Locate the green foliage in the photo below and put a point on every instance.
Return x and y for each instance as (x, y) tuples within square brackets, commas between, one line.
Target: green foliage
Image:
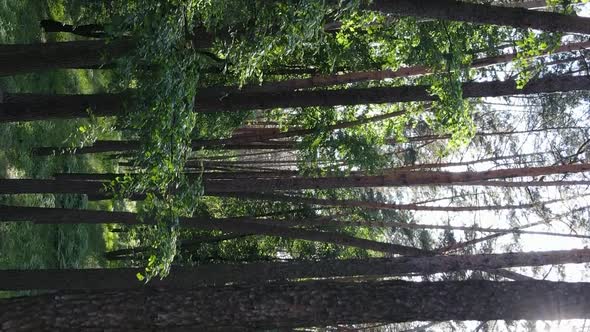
[(161, 114), (533, 45), (451, 113), (253, 40)]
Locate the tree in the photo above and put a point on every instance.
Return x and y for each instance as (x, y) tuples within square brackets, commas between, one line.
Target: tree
[(213, 186), (378, 95), (256, 273), (230, 225), (401, 178), (484, 14), (299, 304), (67, 106), (24, 58), (317, 81)]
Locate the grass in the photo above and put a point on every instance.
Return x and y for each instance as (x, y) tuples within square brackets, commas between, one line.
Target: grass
[(24, 245)]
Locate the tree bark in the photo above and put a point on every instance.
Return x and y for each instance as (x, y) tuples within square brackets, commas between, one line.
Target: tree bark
[(253, 273), (318, 81), (395, 179), (31, 107), (379, 95), (484, 14), (301, 304), (128, 253), (492, 133), (104, 146), (215, 186), (86, 30), (341, 97), (229, 225), (349, 203), (26, 58), (392, 224)]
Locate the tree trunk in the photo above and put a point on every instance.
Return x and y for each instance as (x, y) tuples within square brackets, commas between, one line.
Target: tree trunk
[(349, 203), (30, 107), (26, 58), (229, 225), (103, 146), (379, 95), (300, 304), (183, 245), (318, 81), (205, 175), (86, 30), (215, 186), (392, 224), (253, 273), (526, 4), (395, 179), (484, 14), (492, 133), (245, 101)]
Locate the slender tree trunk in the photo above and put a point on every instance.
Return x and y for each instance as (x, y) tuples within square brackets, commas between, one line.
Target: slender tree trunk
[(379, 95), (318, 81), (486, 134), (527, 4), (380, 205), (205, 175), (524, 184), (392, 224), (301, 304), (464, 163), (484, 14), (401, 178), (229, 225), (253, 273), (184, 245), (214, 186), (104, 146), (86, 30)]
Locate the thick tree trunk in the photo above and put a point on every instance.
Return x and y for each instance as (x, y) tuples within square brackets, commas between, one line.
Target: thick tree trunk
[(301, 304), (26, 58), (253, 273), (484, 14), (229, 225), (30, 107), (379, 95), (245, 101)]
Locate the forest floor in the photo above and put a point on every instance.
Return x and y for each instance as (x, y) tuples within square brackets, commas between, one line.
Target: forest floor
[(24, 245)]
